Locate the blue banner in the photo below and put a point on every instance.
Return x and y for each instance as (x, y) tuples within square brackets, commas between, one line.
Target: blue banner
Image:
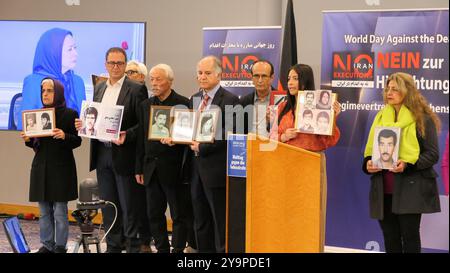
[(237, 155), (359, 51), (238, 49)]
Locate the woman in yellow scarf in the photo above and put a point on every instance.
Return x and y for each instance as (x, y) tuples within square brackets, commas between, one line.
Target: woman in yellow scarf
[(399, 196)]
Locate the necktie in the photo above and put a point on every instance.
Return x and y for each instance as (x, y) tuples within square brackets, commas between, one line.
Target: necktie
[(204, 102)]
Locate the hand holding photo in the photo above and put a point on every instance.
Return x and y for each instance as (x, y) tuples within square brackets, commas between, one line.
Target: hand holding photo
[(100, 121)]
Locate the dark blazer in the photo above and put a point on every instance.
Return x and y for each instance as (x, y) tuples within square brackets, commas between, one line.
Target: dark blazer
[(212, 159), (53, 171), (152, 157), (130, 96), (415, 190)]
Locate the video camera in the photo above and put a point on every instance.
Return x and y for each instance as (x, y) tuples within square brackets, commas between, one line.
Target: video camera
[(87, 206)]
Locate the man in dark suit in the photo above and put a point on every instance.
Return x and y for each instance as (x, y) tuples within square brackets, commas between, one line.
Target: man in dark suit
[(158, 166), (209, 163), (115, 161), (257, 102)]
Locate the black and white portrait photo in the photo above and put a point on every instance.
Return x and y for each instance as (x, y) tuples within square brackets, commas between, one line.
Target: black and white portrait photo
[(206, 126), (183, 126), (38, 123), (160, 121), (385, 147)]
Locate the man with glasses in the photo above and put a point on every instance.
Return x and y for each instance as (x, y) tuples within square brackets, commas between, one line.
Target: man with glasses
[(114, 161), (255, 120), (136, 71)]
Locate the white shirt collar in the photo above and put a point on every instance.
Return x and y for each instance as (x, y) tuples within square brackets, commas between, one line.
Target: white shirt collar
[(119, 82)]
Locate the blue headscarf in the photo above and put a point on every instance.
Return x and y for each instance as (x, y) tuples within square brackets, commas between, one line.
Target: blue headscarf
[(47, 61), (48, 55)]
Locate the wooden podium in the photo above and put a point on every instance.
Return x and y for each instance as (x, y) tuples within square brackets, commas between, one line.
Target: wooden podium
[(284, 201)]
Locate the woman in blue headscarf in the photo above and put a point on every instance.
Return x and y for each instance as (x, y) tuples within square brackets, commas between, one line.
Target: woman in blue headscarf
[(55, 57)]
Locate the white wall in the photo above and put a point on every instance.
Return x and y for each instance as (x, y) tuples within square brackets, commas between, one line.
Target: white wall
[(174, 36)]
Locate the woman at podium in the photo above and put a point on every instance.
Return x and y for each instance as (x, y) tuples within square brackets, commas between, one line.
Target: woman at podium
[(301, 77)]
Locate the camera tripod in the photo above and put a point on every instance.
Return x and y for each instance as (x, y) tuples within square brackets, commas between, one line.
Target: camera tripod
[(86, 240), (84, 218)]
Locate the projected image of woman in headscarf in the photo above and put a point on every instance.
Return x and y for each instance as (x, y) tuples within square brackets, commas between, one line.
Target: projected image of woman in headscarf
[(55, 57)]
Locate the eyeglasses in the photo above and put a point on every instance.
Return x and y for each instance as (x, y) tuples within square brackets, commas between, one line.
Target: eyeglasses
[(131, 72), (112, 64), (264, 77)]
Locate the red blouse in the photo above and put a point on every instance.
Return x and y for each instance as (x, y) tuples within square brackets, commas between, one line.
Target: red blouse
[(310, 142)]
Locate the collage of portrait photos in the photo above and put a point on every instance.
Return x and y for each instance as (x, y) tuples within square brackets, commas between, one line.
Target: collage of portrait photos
[(315, 114), (39, 122)]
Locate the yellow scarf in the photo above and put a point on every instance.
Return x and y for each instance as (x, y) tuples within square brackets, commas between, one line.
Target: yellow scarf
[(409, 145)]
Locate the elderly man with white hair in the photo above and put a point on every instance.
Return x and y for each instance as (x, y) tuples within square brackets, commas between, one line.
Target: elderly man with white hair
[(136, 71), (159, 165)]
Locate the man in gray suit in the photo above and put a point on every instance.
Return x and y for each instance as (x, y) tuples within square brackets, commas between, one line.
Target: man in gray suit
[(208, 186)]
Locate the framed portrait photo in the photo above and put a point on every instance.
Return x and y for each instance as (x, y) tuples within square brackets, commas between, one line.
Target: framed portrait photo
[(312, 116), (206, 126), (385, 147), (39, 122), (100, 121), (183, 127), (160, 122)]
